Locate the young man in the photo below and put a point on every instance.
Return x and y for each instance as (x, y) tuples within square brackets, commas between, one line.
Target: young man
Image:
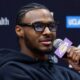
[(36, 31)]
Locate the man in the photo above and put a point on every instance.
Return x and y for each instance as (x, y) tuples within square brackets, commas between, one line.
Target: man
[(36, 31)]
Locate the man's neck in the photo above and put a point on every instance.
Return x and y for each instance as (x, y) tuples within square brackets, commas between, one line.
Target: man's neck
[(35, 54)]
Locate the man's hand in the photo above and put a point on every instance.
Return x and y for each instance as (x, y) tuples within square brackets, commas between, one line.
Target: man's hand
[(73, 55)]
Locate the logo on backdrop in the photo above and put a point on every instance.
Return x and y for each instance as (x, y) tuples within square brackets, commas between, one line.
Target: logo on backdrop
[(4, 21), (73, 21)]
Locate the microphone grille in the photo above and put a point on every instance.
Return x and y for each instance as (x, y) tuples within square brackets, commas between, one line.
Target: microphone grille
[(57, 43)]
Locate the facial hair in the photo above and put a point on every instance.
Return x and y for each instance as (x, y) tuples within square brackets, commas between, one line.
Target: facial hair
[(34, 49)]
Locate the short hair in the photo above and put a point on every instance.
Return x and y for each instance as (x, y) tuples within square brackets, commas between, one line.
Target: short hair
[(27, 8)]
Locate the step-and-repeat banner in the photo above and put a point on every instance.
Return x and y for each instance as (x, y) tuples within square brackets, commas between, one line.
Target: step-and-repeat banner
[(67, 13)]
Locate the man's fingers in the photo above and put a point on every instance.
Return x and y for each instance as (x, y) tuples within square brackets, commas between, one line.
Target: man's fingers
[(74, 65)]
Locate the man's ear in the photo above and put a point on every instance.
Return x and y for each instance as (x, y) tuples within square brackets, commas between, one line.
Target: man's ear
[(19, 31)]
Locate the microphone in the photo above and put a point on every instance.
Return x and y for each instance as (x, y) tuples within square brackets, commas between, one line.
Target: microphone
[(57, 43), (62, 46)]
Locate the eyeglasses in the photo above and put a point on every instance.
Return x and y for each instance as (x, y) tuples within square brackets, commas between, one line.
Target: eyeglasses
[(39, 26)]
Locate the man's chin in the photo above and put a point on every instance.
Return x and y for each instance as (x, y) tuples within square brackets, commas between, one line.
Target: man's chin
[(43, 50), (47, 51)]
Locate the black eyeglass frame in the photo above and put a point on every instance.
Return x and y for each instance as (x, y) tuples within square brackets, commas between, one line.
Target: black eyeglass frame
[(43, 27)]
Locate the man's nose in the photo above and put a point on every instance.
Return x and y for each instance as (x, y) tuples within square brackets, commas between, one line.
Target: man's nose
[(46, 31)]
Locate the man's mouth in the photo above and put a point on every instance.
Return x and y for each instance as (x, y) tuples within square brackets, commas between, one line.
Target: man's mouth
[(46, 42)]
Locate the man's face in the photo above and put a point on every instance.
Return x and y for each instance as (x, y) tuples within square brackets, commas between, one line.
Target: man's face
[(38, 40)]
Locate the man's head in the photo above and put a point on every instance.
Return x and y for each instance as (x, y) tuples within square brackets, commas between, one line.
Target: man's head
[(35, 27)]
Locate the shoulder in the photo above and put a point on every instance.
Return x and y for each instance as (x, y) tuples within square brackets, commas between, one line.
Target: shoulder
[(67, 71), (13, 70)]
